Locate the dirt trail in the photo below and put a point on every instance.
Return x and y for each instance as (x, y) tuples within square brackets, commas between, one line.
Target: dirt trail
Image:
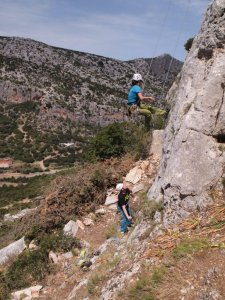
[(18, 175)]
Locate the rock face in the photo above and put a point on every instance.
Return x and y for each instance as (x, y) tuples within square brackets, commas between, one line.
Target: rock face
[(193, 157)]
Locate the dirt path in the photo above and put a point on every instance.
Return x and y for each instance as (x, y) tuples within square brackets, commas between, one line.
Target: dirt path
[(18, 175)]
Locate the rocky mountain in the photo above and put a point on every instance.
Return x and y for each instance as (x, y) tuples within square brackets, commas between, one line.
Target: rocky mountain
[(51, 95), (192, 166)]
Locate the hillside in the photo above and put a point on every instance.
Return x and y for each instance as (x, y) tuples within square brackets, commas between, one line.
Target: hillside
[(50, 96)]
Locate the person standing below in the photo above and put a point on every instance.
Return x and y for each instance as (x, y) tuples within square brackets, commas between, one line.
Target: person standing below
[(123, 206), (136, 100)]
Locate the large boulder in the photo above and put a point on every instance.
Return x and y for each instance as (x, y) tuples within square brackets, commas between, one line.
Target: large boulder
[(27, 294), (193, 160), (12, 251), (71, 228)]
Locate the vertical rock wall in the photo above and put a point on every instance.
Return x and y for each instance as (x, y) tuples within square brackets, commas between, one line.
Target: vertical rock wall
[(193, 157)]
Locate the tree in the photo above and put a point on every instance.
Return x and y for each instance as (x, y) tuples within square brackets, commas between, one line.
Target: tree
[(109, 141)]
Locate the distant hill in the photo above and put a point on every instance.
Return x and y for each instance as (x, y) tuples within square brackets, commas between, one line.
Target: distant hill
[(50, 95)]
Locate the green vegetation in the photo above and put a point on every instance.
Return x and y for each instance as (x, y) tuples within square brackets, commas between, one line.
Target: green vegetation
[(112, 231), (33, 266), (118, 139), (145, 286), (93, 283), (149, 208), (33, 188), (102, 273), (29, 144), (188, 44), (189, 246)]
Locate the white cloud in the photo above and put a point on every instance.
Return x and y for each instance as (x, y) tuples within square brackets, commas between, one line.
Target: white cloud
[(197, 6), (118, 34)]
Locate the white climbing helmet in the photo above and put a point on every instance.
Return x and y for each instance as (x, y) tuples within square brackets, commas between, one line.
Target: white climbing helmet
[(119, 186), (137, 77)]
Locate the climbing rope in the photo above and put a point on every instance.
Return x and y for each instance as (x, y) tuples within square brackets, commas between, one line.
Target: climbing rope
[(162, 28), (173, 54)]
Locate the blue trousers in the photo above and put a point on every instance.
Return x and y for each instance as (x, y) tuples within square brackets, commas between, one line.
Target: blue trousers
[(125, 222)]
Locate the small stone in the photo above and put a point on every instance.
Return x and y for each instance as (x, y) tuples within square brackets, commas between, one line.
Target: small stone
[(88, 222), (67, 255), (80, 224), (183, 291), (32, 245), (53, 257), (100, 211), (112, 207)]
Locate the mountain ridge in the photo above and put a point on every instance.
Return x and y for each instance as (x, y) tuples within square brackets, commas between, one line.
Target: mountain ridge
[(71, 93)]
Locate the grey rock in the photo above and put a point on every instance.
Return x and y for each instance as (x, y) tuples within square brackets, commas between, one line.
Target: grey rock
[(27, 294), (157, 217), (88, 221), (111, 199), (18, 216), (53, 257), (137, 188), (116, 283), (157, 142), (71, 228), (100, 211), (67, 255), (73, 293), (12, 250), (192, 163), (84, 244), (134, 176)]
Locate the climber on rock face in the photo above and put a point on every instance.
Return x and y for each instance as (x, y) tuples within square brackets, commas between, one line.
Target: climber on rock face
[(136, 101)]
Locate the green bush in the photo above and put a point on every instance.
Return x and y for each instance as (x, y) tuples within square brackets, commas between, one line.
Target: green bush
[(190, 246), (29, 267), (109, 141), (33, 266), (33, 188), (117, 139), (188, 44), (4, 290)]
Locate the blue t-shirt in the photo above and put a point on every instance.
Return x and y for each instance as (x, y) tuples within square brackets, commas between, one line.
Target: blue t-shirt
[(133, 94)]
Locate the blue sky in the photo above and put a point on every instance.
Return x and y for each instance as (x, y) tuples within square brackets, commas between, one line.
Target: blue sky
[(120, 29)]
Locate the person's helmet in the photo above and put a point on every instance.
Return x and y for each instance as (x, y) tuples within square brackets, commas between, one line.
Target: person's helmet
[(137, 77), (119, 186)]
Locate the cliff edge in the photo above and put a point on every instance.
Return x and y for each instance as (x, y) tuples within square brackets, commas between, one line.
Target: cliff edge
[(193, 158)]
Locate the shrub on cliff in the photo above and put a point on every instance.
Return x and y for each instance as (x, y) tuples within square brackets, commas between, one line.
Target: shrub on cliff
[(188, 44)]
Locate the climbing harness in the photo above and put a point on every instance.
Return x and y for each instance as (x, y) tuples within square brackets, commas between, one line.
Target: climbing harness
[(132, 109)]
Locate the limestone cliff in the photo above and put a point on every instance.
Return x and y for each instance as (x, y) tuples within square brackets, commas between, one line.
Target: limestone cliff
[(193, 157)]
